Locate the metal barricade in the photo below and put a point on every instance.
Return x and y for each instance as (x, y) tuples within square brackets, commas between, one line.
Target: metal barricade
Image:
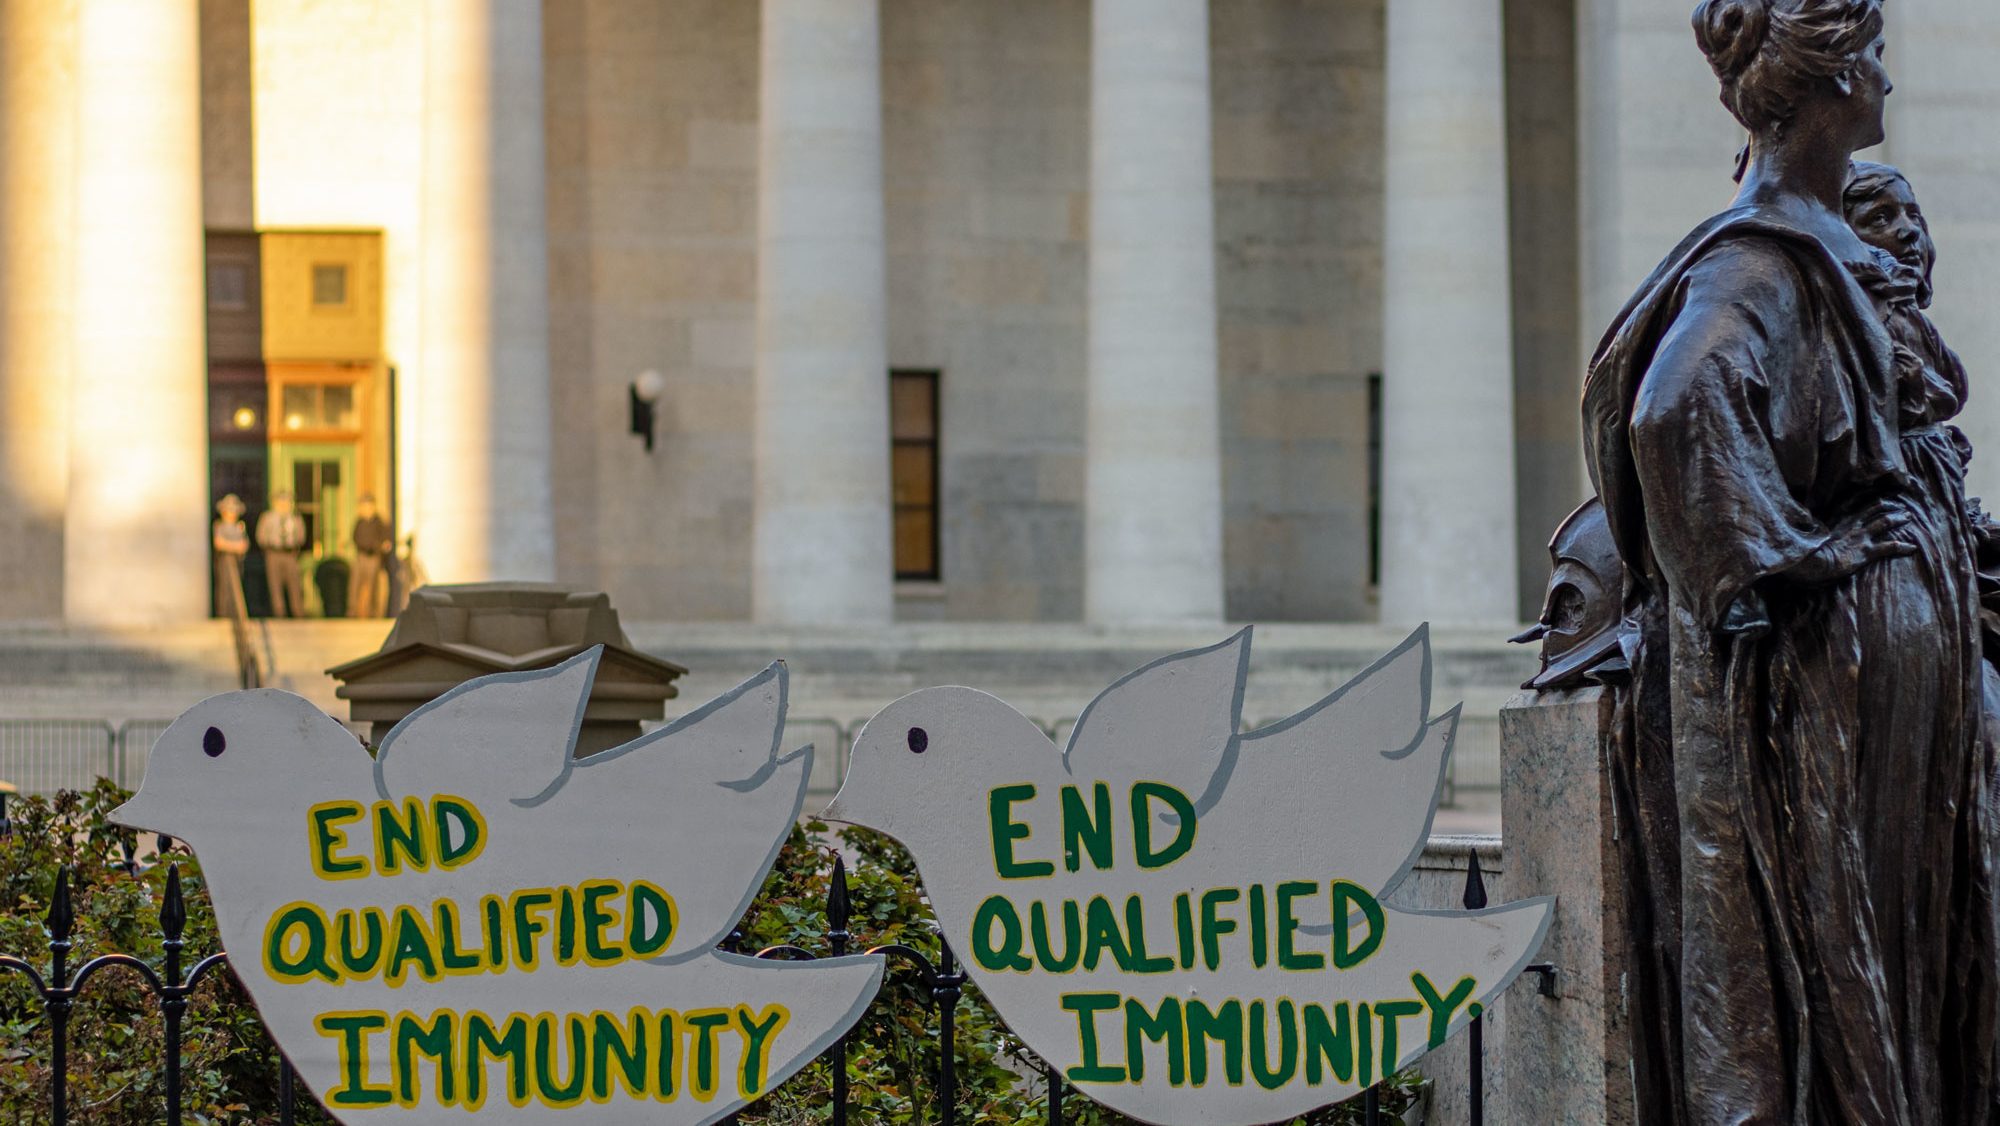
[(135, 742), (42, 756)]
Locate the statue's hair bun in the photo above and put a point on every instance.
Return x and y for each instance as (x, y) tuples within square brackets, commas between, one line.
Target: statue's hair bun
[(1730, 33)]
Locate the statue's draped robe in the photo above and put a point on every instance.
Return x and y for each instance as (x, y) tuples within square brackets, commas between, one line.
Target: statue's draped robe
[(1805, 818)]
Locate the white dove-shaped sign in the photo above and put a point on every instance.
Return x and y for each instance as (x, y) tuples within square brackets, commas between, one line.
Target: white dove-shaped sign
[(474, 920), (1186, 920)]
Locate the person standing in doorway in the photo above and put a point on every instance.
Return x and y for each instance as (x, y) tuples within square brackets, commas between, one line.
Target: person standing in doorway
[(231, 541), (282, 534), (372, 544)]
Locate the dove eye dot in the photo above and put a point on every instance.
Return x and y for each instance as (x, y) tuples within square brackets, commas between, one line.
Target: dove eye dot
[(212, 742), (920, 740)]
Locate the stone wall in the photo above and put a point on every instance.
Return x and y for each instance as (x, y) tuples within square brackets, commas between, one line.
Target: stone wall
[(228, 167), (985, 136), (1298, 207), (652, 188), (1549, 479)]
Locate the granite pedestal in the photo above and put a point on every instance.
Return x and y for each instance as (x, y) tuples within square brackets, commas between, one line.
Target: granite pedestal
[(1568, 1058)]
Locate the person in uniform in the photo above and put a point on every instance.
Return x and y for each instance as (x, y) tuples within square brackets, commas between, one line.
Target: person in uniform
[(231, 541), (282, 534), (373, 542)]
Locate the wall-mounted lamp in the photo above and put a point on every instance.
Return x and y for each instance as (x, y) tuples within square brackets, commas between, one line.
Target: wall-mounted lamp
[(645, 391)]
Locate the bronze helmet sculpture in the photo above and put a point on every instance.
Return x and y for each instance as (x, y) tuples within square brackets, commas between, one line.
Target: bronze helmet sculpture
[(1580, 622)]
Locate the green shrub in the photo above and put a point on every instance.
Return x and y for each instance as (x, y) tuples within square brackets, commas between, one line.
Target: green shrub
[(117, 1055)]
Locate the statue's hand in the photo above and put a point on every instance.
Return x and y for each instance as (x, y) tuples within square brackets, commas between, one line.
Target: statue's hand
[(1875, 533)]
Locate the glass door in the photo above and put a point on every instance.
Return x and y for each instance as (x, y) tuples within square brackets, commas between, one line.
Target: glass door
[(321, 476)]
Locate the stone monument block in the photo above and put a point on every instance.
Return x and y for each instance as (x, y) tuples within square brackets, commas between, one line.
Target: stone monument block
[(455, 633), (1568, 1057)]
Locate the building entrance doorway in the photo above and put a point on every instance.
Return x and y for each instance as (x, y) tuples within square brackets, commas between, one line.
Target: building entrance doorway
[(321, 477), (300, 395)]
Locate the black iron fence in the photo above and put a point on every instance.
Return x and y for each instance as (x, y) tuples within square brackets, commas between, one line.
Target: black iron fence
[(60, 987)]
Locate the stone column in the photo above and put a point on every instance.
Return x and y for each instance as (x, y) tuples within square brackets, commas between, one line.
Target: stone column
[(37, 185), (135, 547), (482, 385), (1153, 468), (1448, 552), (822, 538)]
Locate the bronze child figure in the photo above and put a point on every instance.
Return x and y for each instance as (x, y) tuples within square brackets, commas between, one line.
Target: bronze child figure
[(1882, 209), (1931, 381), (1806, 813), (1932, 386)]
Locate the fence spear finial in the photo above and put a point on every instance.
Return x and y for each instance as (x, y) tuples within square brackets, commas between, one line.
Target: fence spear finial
[(173, 910), (1475, 884), (62, 916), (837, 910)]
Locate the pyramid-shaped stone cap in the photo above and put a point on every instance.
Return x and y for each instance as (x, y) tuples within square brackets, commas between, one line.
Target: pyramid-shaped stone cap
[(451, 634)]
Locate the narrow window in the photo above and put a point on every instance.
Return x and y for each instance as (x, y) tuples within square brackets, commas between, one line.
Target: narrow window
[(228, 286), (329, 284), (913, 454), (1375, 479)]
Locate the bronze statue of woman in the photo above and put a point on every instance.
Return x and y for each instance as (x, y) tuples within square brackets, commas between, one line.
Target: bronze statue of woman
[(1804, 791)]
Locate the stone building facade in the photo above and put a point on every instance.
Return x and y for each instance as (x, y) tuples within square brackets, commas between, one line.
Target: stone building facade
[(1257, 309)]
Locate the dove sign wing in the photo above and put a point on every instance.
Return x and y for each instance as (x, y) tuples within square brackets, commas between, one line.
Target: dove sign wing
[(476, 920), (1185, 920), (1370, 750), (1175, 720)]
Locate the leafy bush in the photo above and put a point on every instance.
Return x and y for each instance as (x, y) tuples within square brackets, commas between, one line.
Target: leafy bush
[(230, 1068), (117, 1057)]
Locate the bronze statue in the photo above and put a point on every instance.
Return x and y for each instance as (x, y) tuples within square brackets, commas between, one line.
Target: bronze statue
[(1805, 792)]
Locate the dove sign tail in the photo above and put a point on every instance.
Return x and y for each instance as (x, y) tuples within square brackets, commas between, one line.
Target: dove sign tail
[(1188, 919)]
